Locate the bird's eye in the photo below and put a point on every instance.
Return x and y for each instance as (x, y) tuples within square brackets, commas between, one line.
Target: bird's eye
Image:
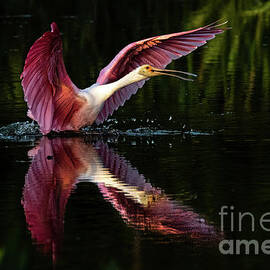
[(147, 67)]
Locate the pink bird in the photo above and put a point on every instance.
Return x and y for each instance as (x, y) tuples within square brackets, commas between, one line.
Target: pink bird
[(57, 104)]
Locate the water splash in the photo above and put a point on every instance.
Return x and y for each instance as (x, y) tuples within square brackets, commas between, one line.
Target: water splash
[(20, 131), (161, 132), (29, 131)]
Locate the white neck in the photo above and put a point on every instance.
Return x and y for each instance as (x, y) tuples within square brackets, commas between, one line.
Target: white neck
[(105, 91)]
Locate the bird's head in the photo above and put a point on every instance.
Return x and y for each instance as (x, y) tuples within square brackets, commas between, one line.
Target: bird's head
[(149, 71)]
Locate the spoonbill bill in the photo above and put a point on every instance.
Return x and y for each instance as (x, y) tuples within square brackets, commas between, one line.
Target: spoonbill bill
[(57, 104)]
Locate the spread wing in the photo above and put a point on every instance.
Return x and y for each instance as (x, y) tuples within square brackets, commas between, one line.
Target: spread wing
[(50, 94), (157, 51)]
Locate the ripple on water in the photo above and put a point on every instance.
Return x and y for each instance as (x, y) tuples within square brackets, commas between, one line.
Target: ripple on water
[(29, 131)]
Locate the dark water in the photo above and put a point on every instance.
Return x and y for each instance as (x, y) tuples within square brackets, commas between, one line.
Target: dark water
[(146, 195)]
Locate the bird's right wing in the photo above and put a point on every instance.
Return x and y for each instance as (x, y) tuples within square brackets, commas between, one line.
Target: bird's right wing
[(51, 96), (157, 51)]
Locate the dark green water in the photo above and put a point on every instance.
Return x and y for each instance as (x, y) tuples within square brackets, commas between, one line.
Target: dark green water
[(147, 202)]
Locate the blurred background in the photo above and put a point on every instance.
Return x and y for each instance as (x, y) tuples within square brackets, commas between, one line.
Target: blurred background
[(233, 69), (230, 100)]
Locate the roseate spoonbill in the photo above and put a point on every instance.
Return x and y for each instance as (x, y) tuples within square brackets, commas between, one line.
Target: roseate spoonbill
[(57, 104)]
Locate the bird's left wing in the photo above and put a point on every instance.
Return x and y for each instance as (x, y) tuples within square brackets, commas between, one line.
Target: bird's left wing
[(157, 51)]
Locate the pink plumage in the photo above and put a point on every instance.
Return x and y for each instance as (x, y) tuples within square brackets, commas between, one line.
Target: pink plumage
[(51, 96), (57, 104), (158, 51)]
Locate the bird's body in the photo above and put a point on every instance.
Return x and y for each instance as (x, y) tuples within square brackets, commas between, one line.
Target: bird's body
[(58, 105)]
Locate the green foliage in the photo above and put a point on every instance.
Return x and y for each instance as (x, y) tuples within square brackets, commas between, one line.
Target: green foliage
[(233, 69)]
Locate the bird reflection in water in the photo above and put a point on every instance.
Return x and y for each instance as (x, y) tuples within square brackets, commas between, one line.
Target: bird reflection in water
[(59, 164)]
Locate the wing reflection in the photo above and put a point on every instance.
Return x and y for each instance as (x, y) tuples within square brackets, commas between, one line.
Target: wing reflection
[(59, 164)]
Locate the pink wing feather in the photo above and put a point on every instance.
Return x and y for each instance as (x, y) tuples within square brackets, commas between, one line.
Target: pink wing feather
[(157, 51), (50, 94)]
